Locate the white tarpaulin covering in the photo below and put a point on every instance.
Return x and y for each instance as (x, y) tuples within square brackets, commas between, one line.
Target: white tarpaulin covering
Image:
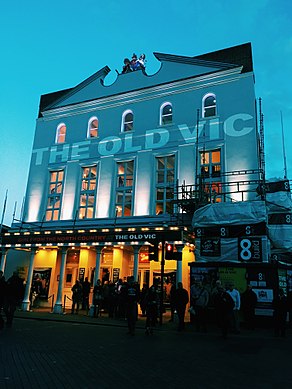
[(241, 213)]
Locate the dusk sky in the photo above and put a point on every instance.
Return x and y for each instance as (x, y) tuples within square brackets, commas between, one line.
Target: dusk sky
[(55, 45)]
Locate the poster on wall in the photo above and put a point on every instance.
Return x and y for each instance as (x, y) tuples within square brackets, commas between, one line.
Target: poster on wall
[(116, 274), (210, 247), (41, 282), (233, 275)]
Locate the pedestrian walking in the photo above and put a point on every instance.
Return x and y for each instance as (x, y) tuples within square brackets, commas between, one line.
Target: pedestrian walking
[(181, 301), (76, 297), (280, 306)]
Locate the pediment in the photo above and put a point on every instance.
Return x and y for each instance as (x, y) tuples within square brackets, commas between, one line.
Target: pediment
[(172, 68)]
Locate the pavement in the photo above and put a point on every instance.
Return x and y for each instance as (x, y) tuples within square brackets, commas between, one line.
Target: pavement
[(48, 350), (264, 327)]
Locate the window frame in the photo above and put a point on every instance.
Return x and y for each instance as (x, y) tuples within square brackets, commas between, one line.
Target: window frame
[(164, 189), (55, 195), (124, 188), (210, 106), (90, 121), (124, 123), (58, 135), (161, 116), (87, 192)]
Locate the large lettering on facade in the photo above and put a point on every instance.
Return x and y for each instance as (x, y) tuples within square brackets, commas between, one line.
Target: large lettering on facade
[(235, 126)]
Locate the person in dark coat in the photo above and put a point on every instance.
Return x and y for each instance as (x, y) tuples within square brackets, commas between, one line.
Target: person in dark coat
[(224, 305), (85, 294), (248, 303), (76, 296), (13, 296), (181, 301), (152, 302), (132, 298), (97, 298), (280, 306), (2, 296)]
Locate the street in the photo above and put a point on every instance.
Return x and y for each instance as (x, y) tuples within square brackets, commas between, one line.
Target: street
[(54, 354)]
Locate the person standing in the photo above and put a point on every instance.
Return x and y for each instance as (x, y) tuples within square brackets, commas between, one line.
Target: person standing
[(97, 298), (224, 305), (13, 296), (181, 301), (85, 294), (2, 296), (280, 306), (151, 304), (76, 296), (248, 303), (199, 301), (132, 298), (234, 293)]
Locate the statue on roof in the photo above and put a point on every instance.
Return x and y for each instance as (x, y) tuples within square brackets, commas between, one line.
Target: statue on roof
[(134, 64)]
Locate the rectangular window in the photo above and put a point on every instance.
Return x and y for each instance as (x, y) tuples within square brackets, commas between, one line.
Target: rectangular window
[(211, 173), (55, 195), (87, 193), (210, 164), (165, 180), (124, 188)]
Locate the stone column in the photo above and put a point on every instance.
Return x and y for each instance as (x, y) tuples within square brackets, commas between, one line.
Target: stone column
[(3, 259), (96, 274), (136, 262), (26, 300), (58, 304)]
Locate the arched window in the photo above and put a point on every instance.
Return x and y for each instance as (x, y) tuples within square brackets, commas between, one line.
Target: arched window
[(92, 131), (209, 105), (61, 133), (127, 121), (165, 114)]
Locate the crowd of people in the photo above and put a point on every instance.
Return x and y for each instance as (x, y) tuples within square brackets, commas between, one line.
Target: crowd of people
[(121, 299), (233, 309)]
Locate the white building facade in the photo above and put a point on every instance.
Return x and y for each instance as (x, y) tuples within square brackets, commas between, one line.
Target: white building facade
[(107, 161)]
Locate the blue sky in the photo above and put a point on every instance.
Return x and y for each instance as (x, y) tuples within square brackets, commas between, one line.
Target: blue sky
[(49, 46)]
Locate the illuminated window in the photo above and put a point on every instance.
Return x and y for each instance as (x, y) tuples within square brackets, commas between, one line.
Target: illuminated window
[(165, 114), (209, 105), (127, 121), (210, 164), (124, 188), (87, 193), (165, 180), (92, 131), (210, 172), (61, 133), (55, 195)]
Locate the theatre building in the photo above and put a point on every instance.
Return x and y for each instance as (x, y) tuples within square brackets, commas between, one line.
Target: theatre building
[(112, 168)]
